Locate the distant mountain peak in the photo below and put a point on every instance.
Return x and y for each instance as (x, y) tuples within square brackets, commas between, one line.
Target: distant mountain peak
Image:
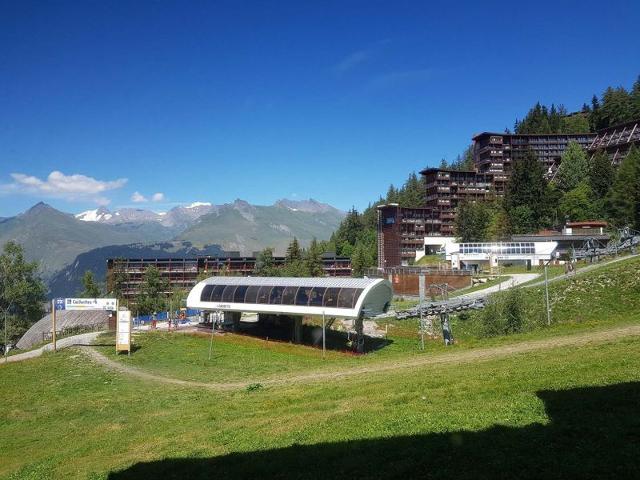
[(101, 214), (198, 204), (310, 205)]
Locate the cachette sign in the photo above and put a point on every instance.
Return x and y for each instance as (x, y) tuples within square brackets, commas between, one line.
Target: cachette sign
[(86, 303)]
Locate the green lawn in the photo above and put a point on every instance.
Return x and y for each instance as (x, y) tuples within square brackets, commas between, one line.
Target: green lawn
[(570, 412), (555, 413)]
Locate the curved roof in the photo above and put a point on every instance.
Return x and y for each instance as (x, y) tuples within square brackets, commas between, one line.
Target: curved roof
[(332, 296), (64, 319)]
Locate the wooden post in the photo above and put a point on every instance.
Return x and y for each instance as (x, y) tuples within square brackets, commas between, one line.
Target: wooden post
[(53, 322), (324, 343)]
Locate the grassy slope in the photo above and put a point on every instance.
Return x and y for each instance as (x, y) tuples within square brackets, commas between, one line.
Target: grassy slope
[(238, 357), (496, 418), (74, 420)]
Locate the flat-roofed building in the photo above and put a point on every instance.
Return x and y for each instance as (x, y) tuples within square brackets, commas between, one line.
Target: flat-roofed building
[(494, 153), (488, 255), (446, 189), (183, 273), (401, 232)]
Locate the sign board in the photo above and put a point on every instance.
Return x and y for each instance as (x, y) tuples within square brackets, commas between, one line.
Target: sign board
[(85, 303), (123, 331)]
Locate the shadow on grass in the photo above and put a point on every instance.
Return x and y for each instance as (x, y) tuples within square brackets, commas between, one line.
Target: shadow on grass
[(311, 336), (592, 433)]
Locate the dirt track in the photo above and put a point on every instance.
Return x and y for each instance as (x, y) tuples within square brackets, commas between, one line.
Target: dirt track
[(453, 357)]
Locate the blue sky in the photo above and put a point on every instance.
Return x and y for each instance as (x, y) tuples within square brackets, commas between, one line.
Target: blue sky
[(213, 101)]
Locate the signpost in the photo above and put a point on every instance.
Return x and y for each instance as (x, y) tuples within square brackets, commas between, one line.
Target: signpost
[(123, 331), (109, 304)]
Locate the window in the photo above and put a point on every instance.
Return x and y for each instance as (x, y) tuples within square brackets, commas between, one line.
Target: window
[(252, 293), (289, 295), (302, 298), (206, 293), (331, 297), (315, 299), (227, 294), (216, 295), (238, 297), (276, 295), (263, 294), (345, 300)]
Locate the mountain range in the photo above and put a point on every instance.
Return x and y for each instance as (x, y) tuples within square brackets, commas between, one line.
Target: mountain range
[(55, 239)]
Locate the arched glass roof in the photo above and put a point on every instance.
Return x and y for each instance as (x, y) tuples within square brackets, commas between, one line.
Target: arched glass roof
[(338, 296)]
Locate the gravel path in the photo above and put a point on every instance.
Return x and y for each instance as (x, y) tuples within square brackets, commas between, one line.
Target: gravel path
[(452, 357), (75, 340), (515, 280)]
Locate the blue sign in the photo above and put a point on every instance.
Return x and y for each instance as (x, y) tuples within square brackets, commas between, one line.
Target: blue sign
[(59, 303)]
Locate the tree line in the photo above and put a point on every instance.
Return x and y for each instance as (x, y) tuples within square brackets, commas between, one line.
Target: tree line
[(613, 107), (583, 189)]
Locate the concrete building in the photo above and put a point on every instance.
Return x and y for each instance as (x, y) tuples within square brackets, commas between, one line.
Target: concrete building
[(446, 189), (494, 153), (401, 231), (183, 273), (478, 256)]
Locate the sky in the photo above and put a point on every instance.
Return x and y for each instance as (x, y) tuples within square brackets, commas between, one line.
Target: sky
[(157, 104)]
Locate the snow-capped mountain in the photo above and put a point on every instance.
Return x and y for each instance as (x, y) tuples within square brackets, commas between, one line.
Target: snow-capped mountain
[(177, 216), (101, 215), (187, 215)]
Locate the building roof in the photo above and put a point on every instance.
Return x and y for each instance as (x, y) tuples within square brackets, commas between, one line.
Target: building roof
[(333, 296), (502, 134), (557, 238), (448, 170), (591, 223)]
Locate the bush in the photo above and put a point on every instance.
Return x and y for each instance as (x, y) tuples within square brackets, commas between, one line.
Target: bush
[(505, 313)]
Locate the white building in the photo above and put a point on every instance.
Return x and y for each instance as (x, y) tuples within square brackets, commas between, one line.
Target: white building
[(482, 255)]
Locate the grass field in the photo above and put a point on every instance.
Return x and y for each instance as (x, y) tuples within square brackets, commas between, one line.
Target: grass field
[(551, 413)]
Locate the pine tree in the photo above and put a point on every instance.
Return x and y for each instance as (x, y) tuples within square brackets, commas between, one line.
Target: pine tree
[(472, 221), (594, 118), (22, 293), (392, 194), (313, 260), (525, 195), (635, 100), (91, 288), (412, 193), (265, 264), (577, 205), (616, 106), (623, 201), (574, 167), (293, 251), (601, 174)]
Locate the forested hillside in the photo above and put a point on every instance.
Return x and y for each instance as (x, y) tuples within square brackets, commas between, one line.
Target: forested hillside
[(613, 107), (583, 188)]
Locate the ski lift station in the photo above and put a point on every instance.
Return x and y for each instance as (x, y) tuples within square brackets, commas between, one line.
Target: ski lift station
[(478, 255), (292, 299)]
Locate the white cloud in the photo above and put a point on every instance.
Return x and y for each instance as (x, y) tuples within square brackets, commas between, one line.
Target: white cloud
[(137, 197), (157, 197), (74, 187), (352, 61)]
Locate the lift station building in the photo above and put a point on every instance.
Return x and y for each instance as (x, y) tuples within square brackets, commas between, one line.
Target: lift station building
[(292, 299)]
